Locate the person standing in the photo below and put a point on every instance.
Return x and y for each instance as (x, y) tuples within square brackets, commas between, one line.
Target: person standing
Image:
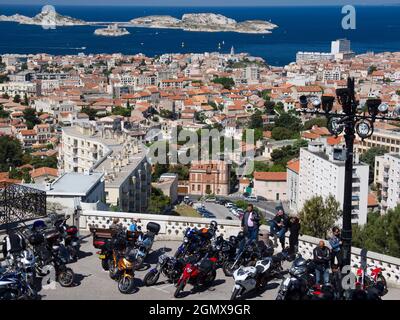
[(321, 255), (335, 243), (294, 228), (251, 223)]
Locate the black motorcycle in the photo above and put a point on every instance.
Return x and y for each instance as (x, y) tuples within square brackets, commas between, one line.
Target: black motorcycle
[(300, 280), (170, 267), (246, 256)]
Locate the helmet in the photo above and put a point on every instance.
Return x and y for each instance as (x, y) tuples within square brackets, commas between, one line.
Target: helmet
[(232, 239), (299, 267), (240, 235), (213, 224), (39, 224)]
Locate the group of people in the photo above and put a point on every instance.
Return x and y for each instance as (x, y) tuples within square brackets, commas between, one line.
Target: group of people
[(324, 257), (279, 226)]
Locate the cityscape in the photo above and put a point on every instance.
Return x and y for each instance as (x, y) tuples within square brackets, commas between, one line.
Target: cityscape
[(198, 176)]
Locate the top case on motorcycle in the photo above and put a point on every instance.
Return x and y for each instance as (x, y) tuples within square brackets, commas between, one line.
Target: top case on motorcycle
[(205, 265), (51, 235), (153, 227)]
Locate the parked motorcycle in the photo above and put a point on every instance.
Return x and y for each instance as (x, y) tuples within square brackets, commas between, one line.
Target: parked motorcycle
[(245, 257), (251, 278), (301, 278), (170, 267), (198, 274), (126, 266), (369, 277)]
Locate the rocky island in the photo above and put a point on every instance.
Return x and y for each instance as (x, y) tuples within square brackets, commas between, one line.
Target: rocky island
[(111, 31), (48, 17), (205, 22)]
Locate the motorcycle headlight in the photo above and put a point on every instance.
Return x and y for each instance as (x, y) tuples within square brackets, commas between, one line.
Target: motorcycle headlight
[(189, 270), (185, 240), (161, 259)]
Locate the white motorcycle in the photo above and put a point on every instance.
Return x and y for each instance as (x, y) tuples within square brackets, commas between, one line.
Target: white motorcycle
[(251, 278)]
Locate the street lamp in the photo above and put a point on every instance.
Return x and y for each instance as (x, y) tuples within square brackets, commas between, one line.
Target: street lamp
[(351, 120)]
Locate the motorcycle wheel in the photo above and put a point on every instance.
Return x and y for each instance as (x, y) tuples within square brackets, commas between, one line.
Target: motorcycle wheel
[(236, 294), (179, 289), (105, 264), (113, 271), (126, 285), (151, 278), (210, 278), (66, 277), (280, 297), (382, 279), (229, 269)]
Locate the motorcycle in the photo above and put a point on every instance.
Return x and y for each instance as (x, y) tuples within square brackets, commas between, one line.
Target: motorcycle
[(250, 278), (301, 278), (245, 257), (16, 281), (201, 273), (365, 279), (125, 273), (170, 267), (144, 243)]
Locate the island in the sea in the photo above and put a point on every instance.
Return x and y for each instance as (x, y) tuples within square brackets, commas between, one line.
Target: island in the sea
[(204, 22), (48, 17), (111, 31)]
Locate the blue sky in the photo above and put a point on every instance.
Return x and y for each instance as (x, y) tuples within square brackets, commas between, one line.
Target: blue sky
[(202, 2)]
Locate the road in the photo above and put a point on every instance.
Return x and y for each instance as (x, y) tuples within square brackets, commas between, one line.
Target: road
[(94, 283)]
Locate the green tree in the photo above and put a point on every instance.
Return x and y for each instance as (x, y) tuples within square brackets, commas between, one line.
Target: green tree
[(158, 202), (289, 121), (318, 121), (318, 216), (368, 157), (227, 83), (3, 114), (10, 153), (90, 112), (17, 98), (256, 120), (30, 117), (281, 133), (120, 111), (380, 234)]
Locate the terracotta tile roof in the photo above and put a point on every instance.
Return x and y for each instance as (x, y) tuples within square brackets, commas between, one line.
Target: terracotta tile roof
[(372, 200), (43, 171), (334, 140), (294, 165), (270, 176)]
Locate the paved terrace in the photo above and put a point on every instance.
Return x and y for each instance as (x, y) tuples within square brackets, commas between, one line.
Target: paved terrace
[(94, 283)]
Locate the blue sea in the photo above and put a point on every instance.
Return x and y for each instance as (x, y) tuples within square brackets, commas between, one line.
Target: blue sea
[(300, 29)]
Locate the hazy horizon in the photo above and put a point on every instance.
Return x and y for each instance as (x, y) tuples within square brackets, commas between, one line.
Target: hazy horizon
[(201, 3)]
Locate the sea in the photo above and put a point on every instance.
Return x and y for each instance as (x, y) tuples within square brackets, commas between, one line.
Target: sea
[(300, 29)]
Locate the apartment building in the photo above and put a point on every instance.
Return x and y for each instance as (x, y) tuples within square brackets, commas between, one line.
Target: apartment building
[(209, 177), (271, 185), (385, 136), (322, 172), (387, 177), (105, 147), (293, 169)]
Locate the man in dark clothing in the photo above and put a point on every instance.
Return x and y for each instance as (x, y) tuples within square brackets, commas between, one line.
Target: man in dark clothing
[(251, 223), (13, 243), (279, 225), (322, 259), (294, 228)]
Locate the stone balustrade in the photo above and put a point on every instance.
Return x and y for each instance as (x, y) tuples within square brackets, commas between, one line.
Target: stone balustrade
[(172, 228)]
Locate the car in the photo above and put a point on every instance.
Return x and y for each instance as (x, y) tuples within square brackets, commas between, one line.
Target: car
[(228, 218), (222, 202), (229, 205), (211, 199), (251, 199)]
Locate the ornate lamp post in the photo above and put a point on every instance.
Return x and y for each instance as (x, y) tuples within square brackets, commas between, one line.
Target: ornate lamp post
[(352, 120)]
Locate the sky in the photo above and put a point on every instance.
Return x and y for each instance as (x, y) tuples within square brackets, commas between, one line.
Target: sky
[(203, 2)]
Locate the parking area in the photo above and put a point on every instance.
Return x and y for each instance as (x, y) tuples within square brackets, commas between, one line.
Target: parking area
[(92, 282)]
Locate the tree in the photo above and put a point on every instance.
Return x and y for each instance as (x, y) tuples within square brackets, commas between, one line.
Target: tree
[(120, 111), (289, 121), (318, 121), (281, 133), (10, 153), (256, 120), (17, 98), (3, 113), (318, 216), (158, 202), (380, 234), (30, 117), (227, 83), (368, 157), (371, 69), (90, 112)]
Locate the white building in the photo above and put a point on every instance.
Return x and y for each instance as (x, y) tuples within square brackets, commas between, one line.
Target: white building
[(321, 173), (387, 175), (89, 147), (340, 46), (314, 56)]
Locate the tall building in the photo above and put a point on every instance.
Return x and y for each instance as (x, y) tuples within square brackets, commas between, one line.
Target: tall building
[(340, 46), (314, 56), (385, 136), (322, 172), (105, 147), (387, 177), (209, 177)]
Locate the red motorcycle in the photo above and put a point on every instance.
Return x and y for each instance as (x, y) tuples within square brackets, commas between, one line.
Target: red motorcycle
[(198, 274), (365, 279)]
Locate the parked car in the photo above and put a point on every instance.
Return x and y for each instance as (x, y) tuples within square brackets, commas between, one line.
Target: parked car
[(211, 199), (229, 205), (251, 199)]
